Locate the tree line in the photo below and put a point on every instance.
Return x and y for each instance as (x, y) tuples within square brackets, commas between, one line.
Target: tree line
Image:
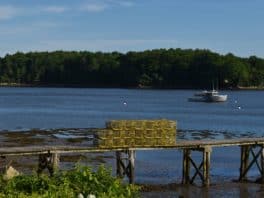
[(160, 68)]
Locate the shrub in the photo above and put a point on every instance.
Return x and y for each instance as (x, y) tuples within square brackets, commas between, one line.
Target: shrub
[(68, 184)]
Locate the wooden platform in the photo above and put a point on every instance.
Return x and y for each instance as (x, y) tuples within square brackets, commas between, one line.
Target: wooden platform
[(185, 144), (251, 153)]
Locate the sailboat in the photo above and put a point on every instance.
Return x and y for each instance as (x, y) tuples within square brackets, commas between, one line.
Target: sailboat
[(208, 96)]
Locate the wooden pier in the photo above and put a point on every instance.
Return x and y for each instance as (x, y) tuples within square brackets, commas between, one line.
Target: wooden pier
[(252, 152)]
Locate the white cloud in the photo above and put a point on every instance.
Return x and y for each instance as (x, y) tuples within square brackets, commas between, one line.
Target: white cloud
[(99, 6), (121, 45), (7, 12), (125, 3), (94, 7), (11, 30), (56, 9)]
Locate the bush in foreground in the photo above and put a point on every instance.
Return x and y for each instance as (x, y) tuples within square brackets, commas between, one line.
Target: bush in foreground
[(68, 184)]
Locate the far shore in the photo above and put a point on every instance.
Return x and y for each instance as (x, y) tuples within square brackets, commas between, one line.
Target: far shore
[(251, 88), (105, 86)]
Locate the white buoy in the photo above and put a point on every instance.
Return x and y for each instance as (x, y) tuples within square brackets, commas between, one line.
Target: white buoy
[(125, 103), (239, 107)]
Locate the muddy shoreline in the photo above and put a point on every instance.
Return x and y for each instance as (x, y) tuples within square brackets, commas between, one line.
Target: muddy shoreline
[(22, 85), (84, 137), (219, 190)]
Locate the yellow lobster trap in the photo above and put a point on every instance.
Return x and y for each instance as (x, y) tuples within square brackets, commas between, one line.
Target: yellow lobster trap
[(136, 133)]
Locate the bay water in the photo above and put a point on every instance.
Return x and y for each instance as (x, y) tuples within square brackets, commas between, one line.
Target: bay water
[(50, 108)]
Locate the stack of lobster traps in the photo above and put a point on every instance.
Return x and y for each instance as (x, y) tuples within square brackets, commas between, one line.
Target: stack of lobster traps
[(136, 133)]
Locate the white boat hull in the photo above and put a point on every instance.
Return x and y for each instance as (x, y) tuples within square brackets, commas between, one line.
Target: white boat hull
[(218, 98), (209, 98)]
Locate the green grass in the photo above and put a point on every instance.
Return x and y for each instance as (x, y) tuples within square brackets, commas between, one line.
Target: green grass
[(68, 184)]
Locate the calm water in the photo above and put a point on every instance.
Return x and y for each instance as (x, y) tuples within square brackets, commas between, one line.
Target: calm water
[(241, 115), (25, 108)]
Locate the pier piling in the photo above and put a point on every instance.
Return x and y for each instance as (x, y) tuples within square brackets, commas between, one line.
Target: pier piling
[(49, 161), (202, 170), (125, 164), (254, 153)]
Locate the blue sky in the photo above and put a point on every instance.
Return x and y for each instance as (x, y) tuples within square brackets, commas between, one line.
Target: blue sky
[(222, 26)]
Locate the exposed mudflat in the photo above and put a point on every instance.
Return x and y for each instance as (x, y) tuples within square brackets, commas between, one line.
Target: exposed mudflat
[(84, 137), (36, 137), (81, 137), (227, 189)]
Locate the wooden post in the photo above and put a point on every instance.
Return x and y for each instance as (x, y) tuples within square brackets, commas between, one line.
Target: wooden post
[(186, 166), (3, 164), (49, 161), (55, 161), (262, 163), (242, 153), (119, 169), (244, 162), (206, 165), (200, 169), (131, 158), (257, 159), (125, 166), (45, 162), (261, 166)]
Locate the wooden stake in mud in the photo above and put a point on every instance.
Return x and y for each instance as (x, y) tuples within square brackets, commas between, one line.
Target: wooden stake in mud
[(125, 165)]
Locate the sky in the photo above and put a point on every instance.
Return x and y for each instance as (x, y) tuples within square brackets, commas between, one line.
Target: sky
[(222, 26)]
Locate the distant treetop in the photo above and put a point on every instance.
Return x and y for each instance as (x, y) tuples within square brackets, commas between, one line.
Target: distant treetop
[(160, 68)]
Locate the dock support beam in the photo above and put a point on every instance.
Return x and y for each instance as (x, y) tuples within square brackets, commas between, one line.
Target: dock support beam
[(255, 153), (55, 161), (203, 169), (125, 164), (186, 166), (49, 161), (262, 164)]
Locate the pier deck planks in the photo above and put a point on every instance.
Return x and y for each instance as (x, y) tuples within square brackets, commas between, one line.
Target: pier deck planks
[(184, 144)]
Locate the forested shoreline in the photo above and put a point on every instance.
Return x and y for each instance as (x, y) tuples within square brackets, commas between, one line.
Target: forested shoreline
[(160, 68)]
